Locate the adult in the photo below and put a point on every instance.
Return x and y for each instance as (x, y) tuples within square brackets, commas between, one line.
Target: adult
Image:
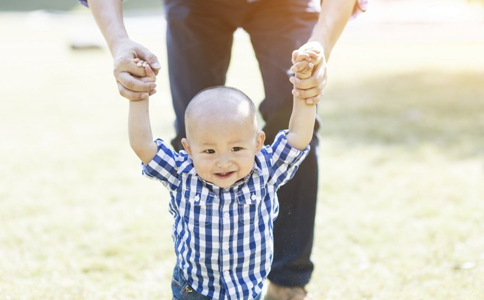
[(199, 39)]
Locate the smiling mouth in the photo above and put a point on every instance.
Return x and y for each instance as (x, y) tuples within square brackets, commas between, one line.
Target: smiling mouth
[(224, 175)]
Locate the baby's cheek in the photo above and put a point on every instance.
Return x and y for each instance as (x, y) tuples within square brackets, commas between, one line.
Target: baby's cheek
[(248, 163), (203, 167)]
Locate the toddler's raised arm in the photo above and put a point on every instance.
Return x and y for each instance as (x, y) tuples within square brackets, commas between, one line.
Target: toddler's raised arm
[(139, 127), (301, 124)]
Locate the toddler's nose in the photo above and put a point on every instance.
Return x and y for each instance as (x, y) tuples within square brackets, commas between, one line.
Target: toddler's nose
[(224, 162)]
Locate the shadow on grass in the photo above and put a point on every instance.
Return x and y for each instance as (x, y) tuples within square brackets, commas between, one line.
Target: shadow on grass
[(415, 110)]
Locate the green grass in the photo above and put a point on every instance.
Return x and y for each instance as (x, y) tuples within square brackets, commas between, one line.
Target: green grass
[(413, 111), (400, 213), (401, 195)]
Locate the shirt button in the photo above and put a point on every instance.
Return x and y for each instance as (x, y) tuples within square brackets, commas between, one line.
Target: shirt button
[(226, 215), (253, 197), (226, 272), (197, 198), (226, 246)]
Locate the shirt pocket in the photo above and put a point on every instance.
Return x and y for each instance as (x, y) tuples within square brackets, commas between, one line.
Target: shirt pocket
[(198, 207), (249, 204)]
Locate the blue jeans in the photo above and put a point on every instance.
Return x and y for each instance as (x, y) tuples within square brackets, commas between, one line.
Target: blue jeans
[(183, 291), (199, 41)]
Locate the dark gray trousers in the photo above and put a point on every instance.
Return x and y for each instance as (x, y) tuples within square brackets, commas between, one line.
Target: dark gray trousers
[(199, 41)]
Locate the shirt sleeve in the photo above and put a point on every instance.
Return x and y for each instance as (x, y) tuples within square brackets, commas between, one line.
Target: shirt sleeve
[(284, 160), (164, 166)]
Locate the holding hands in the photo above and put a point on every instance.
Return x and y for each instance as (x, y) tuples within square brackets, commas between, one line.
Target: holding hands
[(150, 74), (128, 75), (309, 66), (309, 80)]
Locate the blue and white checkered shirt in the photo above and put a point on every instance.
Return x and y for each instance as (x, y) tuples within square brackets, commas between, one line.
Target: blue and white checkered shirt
[(223, 236)]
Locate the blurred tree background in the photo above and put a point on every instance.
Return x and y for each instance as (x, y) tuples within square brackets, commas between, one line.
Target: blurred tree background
[(63, 5)]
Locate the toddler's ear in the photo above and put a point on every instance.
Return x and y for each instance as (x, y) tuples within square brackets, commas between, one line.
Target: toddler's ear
[(261, 137), (186, 146)]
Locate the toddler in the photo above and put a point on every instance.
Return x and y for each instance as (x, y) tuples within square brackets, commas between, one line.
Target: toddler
[(222, 187)]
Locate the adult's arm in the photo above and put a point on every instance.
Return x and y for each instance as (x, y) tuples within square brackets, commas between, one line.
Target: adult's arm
[(332, 20), (301, 123), (109, 18)]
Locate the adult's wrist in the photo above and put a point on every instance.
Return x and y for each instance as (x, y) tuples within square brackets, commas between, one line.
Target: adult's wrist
[(319, 38), (116, 43)]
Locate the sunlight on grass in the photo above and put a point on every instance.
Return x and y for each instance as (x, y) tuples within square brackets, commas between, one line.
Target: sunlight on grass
[(400, 214), (431, 111)]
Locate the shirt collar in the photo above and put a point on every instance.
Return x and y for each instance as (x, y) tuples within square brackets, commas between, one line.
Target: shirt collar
[(187, 165)]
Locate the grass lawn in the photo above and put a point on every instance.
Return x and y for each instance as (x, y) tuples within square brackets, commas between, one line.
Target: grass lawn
[(400, 212)]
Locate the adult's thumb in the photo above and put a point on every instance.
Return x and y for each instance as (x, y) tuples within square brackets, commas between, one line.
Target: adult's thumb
[(151, 59)]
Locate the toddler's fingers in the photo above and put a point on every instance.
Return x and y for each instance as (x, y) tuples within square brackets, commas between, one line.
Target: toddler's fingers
[(149, 71), (299, 66), (313, 54), (299, 56), (140, 63), (306, 72), (303, 57), (309, 68)]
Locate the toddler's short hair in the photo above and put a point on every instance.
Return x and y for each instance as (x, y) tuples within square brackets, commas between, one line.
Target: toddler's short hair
[(221, 100)]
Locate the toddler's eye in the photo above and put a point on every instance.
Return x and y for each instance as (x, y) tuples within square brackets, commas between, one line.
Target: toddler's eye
[(235, 149), (209, 151)]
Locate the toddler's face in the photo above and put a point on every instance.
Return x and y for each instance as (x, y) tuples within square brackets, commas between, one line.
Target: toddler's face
[(223, 151)]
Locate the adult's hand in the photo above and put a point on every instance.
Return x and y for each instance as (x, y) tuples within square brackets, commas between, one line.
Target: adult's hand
[(332, 20), (312, 88), (127, 73), (109, 18)]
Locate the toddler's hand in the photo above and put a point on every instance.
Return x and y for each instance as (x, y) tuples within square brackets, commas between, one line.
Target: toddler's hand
[(305, 61), (309, 67), (150, 74)]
